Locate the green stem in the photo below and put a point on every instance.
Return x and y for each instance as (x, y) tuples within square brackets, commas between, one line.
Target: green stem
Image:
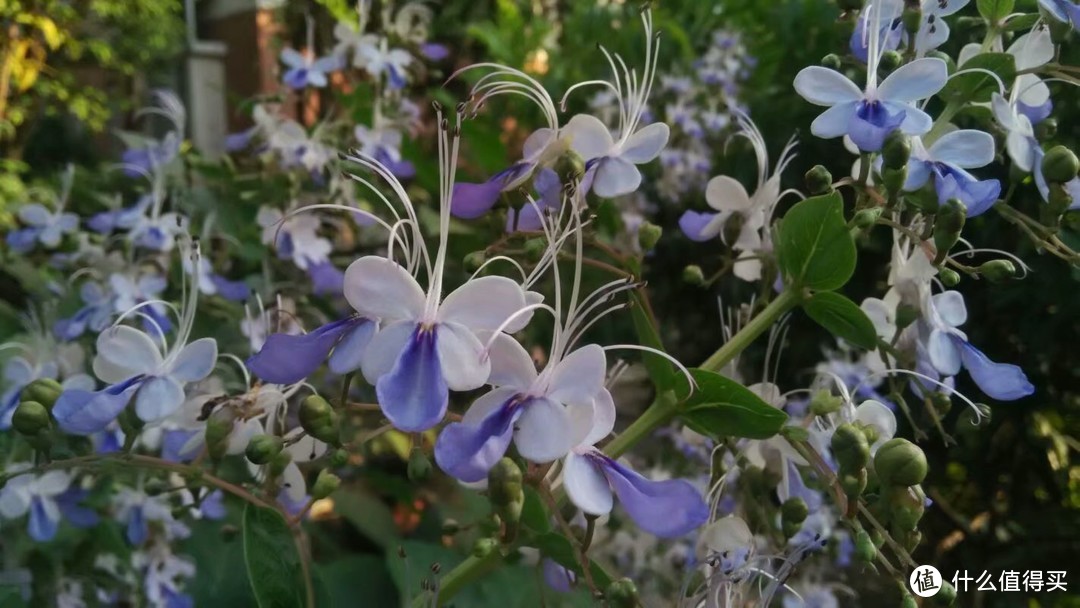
[(662, 410), (787, 300), (942, 122)]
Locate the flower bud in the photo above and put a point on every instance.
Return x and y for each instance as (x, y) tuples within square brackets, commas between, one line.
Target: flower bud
[(483, 547), (622, 594), (320, 420), (908, 601), (43, 390), (818, 180), (794, 510), (864, 547), (419, 467), (941, 403), (866, 218), (950, 64), (30, 418), (504, 482), (1058, 203), (850, 448), (475, 260), (693, 275), (854, 484), (1060, 165), (997, 271), (946, 596), (279, 462), (824, 403), (869, 431), (906, 505), (325, 484), (949, 277), (218, 428), (906, 314), (947, 227), (339, 458), (912, 20), (831, 61), (535, 248), (896, 150), (1046, 129), (900, 463), (910, 539), (890, 60), (262, 448), (893, 179), (649, 235)]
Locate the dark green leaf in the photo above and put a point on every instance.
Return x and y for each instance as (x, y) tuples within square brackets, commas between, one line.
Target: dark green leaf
[(273, 563), (815, 247), (533, 513), (842, 317), (368, 514), (978, 86), (661, 371), (721, 407), (995, 10), (1022, 22)]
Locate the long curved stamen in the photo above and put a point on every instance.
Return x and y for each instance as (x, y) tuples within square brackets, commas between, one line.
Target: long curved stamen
[(685, 372), (510, 320), (240, 365), (500, 258), (979, 414)]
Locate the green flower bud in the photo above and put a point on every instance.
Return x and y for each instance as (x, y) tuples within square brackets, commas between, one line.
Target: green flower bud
[(854, 484), (1060, 200), (475, 260), (906, 314), (890, 60), (693, 275), (866, 218), (869, 431), (908, 601), (946, 596), (910, 539), (949, 277), (30, 418), (906, 505), (900, 463), (262, 448), (850, 448), (535, 248), (893, 179), (504, 482), (818, 180), (325, 484), (949, 62), (649, 235), (279, 462), (912, 20), (793, 433), (794, 510), (1046, 129), (896, 150), (483, 547), (823, 403), (419, 468), (339, 458), (997, 271), (941, 404), (831, 61), (864, 547), (789, 528), (320, 420), (622, 594), (1060, 165), (218, 428), (947, 227), (43, 390)]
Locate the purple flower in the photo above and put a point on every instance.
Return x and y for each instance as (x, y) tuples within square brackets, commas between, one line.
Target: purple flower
[(287, 359)]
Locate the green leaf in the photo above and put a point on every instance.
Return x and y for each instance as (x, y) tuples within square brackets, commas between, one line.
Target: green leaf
[(721, 407), (995, 10), (1022, 22), (814, 246), (272, 561), (533, 513), (369, 515), (978, 86), (558, 548), (661, 371), (842, 317)]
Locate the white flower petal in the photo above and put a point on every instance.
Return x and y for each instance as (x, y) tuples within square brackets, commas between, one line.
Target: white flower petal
[(646, 143), (588, 137), (293, 481), (914, 81), (380, 288), (158, 397), (825, 87), (123, 352), (593, 423), (385, 348), (586, 486), (878, 415), (966, 148), (542, 432), (615, 176), (195, 361), (724, 193), (1033, 49), (579, 376), (511, 365), (835, 121), (483, 304), (950, 307), (944, 355), (461, 357), (487, 403), (52, 483), (916, 122)]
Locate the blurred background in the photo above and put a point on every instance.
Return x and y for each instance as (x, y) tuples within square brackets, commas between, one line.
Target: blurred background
[(1006, 493)]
